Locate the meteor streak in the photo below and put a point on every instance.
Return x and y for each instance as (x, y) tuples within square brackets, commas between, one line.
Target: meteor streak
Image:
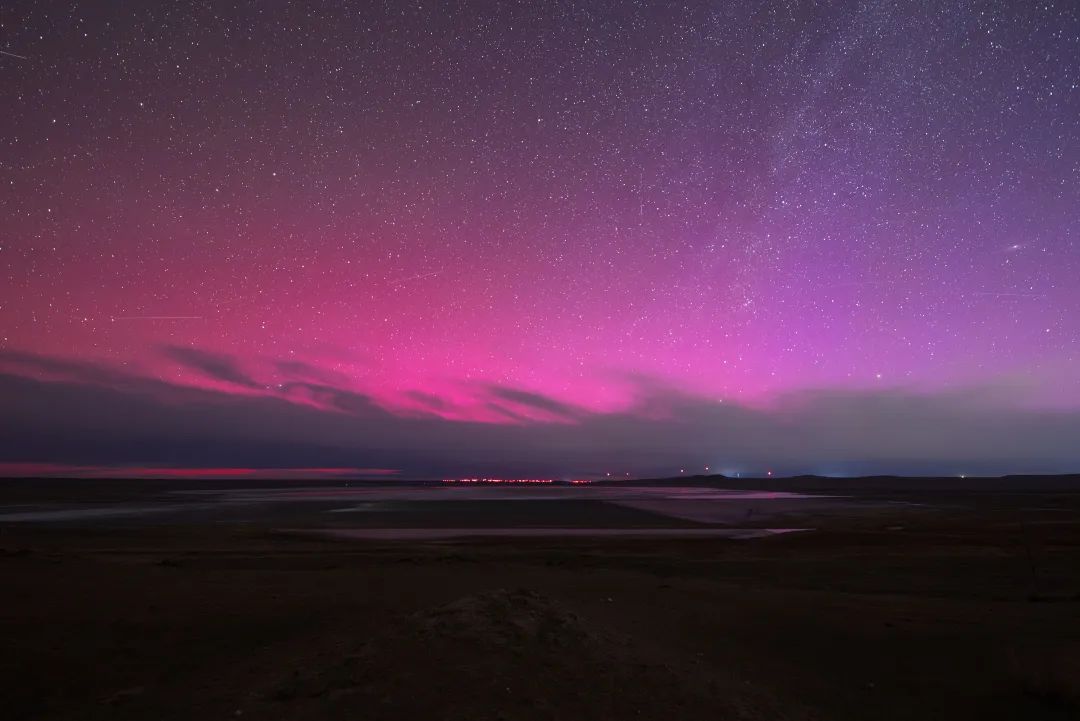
[(158, 317)]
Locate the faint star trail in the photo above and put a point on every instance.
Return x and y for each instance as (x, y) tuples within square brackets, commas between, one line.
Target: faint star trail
[(1009, 294), (400, 281), (158, 317)]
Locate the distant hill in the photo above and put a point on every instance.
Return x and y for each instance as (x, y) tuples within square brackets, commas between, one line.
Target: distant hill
[(871, 484)]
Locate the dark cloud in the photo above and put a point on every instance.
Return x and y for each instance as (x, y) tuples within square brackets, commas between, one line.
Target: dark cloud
[(90, 415), (41, 366), (331, 398), (429, 400), (300, 370), (529, 401), (213, 365)]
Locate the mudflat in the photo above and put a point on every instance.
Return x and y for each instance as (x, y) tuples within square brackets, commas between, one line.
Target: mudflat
[(950, 608)]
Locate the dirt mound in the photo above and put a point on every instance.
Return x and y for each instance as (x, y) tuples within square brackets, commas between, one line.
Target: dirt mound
[(507, 619), (499, 655)]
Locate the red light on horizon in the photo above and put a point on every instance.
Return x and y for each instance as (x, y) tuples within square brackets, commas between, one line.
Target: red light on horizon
[(498, 480)]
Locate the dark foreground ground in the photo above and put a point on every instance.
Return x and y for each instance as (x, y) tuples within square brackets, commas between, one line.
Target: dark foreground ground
[(966, 609)]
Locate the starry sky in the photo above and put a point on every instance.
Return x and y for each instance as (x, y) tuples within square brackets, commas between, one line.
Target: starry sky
[(553, 236)]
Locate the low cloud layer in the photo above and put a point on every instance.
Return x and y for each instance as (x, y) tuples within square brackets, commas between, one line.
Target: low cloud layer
[(65, 412)]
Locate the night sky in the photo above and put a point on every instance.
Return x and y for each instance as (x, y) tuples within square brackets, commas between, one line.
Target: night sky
[(567, 238)]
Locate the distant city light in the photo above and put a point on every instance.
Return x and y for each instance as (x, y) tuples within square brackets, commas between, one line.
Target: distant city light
[(517, 481), (498, 480)]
